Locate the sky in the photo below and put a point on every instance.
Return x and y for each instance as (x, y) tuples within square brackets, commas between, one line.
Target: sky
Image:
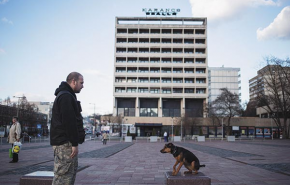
[(41, 42)]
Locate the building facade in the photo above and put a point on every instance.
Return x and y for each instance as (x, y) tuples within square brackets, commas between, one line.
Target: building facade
[(160, 69), (223, 77)]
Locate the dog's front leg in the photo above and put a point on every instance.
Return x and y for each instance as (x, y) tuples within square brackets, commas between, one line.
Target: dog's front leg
[(180, 165), (174, 167)]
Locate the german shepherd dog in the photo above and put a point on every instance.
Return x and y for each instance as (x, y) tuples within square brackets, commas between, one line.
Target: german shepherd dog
[(183, 157)]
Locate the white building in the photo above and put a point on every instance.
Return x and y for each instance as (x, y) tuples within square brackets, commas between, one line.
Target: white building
[(223, 77)]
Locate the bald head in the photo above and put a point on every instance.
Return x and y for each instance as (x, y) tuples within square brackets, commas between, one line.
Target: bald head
[(73, 76)]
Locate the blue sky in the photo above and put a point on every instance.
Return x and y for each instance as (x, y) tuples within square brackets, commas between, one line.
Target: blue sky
[(41, 42)]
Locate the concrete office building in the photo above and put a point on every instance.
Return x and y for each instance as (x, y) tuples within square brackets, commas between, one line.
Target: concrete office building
[(223, 77), (160, 70)]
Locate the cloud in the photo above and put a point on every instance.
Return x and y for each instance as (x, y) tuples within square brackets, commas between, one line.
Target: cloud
[(5, 20), (218, 10), (2, 51), (3, 1), (278, 29)]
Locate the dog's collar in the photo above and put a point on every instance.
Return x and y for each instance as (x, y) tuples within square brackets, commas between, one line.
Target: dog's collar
[(174, 151)]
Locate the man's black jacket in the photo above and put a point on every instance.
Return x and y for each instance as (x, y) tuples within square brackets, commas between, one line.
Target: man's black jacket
[(65, 112)]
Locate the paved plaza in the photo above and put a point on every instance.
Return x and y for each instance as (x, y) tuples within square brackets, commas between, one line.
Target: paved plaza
[(240, 162)]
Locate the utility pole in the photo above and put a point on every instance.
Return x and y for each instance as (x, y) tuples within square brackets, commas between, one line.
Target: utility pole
[(94, 118)]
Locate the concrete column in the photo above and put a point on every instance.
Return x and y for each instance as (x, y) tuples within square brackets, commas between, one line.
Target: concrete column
[(114, 106), (137, 107), (160, 107), (182, 106)]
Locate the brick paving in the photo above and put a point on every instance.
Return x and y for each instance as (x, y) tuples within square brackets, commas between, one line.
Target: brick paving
[(239, 162)]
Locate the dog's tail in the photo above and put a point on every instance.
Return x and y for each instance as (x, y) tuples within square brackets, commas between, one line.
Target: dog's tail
[(202, 165)]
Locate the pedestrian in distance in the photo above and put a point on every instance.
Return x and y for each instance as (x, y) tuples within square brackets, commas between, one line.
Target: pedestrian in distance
[(105, 137), (165, 137), (14, 135), (66, 130)]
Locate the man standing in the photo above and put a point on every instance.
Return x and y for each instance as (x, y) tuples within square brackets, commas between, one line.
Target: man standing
[(14, 135), (66, 130), (165, 137)]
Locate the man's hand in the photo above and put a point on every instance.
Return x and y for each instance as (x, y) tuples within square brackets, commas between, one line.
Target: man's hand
[(74, 152)]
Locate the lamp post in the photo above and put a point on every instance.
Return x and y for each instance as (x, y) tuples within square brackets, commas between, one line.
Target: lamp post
[(94, 118), (172, 130), (18, 102), (222, 128)]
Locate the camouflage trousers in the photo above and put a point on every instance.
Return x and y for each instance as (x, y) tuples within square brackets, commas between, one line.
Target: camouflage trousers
[(65, 168)]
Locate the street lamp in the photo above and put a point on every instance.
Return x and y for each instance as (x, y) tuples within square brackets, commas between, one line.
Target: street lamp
[(23, 97), (222, 128), (94, 118), (172, 129)]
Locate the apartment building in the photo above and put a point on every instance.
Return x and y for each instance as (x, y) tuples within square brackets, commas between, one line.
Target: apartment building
[(160, 69), (223, 77)]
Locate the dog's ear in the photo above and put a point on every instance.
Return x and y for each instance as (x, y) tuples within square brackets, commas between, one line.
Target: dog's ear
[(169, 145)]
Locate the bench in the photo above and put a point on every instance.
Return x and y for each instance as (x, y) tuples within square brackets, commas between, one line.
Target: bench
[(37, 178), (180, 178)]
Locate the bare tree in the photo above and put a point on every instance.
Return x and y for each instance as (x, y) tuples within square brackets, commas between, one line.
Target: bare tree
[(226, 105), (274, 98), (250, 109)]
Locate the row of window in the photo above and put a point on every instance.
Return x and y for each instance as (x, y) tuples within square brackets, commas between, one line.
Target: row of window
[(161, 40), (149, 112), (158, 90), (161, 50), (160, 31), (158, 60), (157, 80), (157, 70)]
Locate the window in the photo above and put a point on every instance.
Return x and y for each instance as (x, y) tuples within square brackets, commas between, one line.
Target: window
[(132, 60), (200, 51), (143, 40), (177, 50), (132, 31), (177, 41), (143, 90), (188, 51), (143, 60), (200, 80), (144, 31), (154, 70), (121, 31), (154, 80), (143, 80), (120, 89), (177, 90), (200, 41), (166, 50), (155, 31), (154, 91), (132, 40), (166, 41), (177, 80), (132, 80), (166, 91), (188, 41), (120, 69), (154, 60), (190, 70), (166, 60), (189, 90), (200, 70), (148, 112), (177, 31), (166, 80), (120, 80), (188, 60), (121, 40), (120, 60), (166, 31), (166, 70), (155, 50), (177, 70), (200, 60), (189, 80), (200, 91), (121, 50), (131, 90), (143, 50), (143, 70), (155, 40), (132, 50), (199, 32), (131, 70), (177, 60), (188, 31)]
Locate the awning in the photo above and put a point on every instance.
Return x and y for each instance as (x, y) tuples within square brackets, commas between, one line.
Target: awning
[(148, 124)]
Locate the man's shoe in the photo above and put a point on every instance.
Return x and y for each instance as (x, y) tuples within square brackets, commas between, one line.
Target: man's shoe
[(12, 162)]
